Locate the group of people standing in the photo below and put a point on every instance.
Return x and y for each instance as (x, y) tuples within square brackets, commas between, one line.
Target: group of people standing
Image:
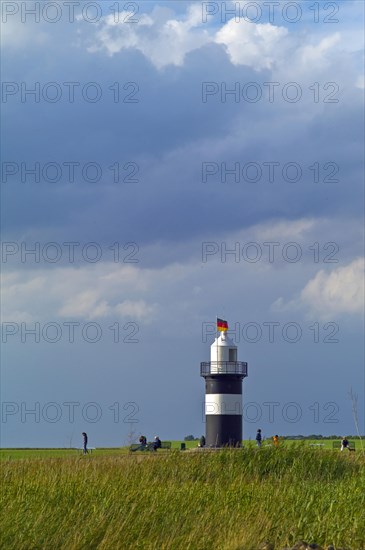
[(275, 439), (345, 444), (156, 443)]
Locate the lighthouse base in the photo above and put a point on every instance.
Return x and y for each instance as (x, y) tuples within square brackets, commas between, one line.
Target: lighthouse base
[(223, 430)]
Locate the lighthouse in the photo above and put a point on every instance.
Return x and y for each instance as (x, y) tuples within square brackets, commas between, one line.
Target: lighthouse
[(223, 391)]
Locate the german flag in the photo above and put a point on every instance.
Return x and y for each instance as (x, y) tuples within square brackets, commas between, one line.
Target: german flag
[(222, 325)]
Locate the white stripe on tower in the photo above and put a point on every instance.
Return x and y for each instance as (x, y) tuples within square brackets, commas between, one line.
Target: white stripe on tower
[(223, 403)]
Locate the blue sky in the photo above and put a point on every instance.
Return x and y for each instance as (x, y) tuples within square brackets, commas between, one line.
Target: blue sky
[(133, 209)]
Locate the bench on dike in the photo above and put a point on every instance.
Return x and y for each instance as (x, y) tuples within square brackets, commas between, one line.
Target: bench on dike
[(337, 445), (149, 447)]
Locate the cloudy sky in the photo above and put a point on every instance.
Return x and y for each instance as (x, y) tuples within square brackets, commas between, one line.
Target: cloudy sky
[(166, 163)]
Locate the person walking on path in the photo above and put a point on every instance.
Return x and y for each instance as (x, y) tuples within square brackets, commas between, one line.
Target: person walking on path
[(276, 440), (258, 438), (84, 436)]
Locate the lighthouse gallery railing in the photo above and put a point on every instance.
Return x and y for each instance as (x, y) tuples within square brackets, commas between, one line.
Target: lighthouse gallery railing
[(223, 367)]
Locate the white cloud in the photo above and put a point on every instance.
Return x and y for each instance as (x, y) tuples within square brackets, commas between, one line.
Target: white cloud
[(360, 82), (137, 310), (91, 292), (340, 291), (90, 305), (17, 35), (287, 230), (257, 46), (87, 304), (171, 292), (330, 294), (265, 46), (319, 55), (165, 39), (162, 39)]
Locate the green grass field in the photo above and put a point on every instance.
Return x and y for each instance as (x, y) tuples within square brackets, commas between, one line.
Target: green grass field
[(116, 451), (231, 499)]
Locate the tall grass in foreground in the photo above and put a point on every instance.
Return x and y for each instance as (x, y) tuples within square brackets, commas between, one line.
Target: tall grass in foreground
[(228, 500)]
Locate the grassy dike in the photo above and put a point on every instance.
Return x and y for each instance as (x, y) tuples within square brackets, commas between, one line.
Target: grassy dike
[(230, 499)]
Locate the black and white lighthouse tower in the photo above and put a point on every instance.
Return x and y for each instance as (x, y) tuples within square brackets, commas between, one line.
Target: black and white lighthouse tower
[(223, 393)]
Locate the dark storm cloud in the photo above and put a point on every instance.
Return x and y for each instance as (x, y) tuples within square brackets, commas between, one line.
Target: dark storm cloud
[(169, 134)]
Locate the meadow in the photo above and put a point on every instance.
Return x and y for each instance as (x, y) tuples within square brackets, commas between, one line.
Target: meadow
[(229, 499), (117, 451)]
